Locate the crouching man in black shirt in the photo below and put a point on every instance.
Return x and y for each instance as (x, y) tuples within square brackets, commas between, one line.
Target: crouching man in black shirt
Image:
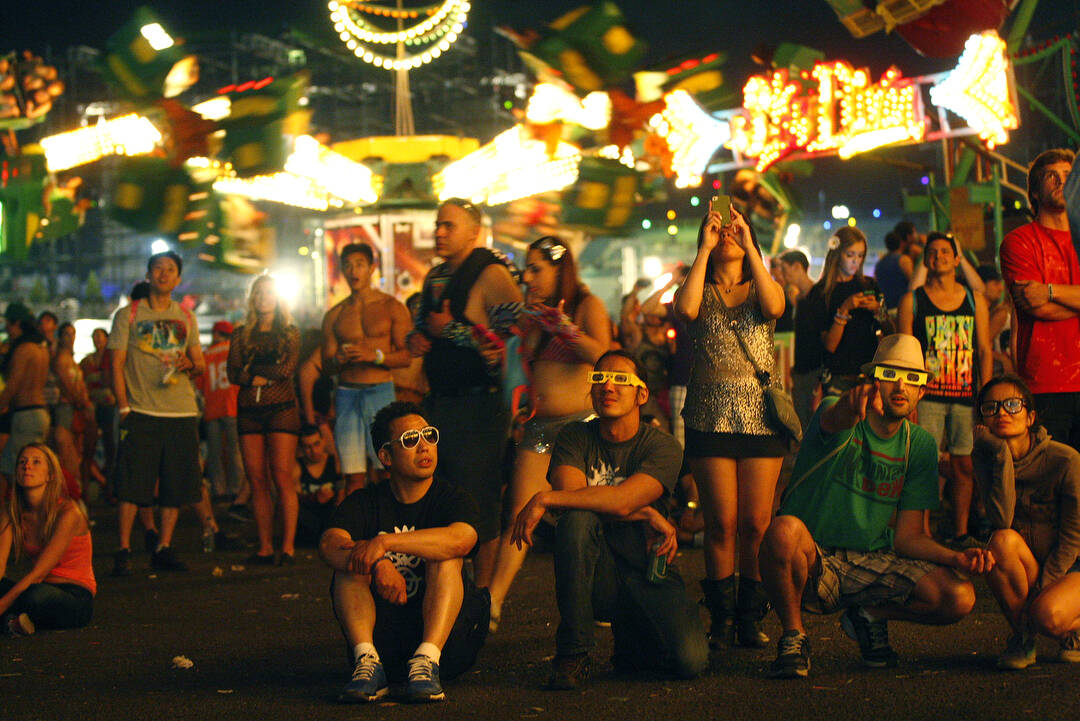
[(396, 549)]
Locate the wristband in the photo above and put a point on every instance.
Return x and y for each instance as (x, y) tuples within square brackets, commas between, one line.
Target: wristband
[(1050, 291), (125, 409), (841, 318), (379, 357)]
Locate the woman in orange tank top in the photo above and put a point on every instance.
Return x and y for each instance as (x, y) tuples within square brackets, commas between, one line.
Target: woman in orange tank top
[(43, 525)]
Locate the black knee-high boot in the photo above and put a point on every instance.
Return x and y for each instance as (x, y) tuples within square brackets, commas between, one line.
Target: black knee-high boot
[(720, 600), (750, 609)]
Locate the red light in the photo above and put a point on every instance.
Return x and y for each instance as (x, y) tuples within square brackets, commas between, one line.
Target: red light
[(716, 185), (687, 64), (711, 57), (670, 334), (263, 83), (226, 89)]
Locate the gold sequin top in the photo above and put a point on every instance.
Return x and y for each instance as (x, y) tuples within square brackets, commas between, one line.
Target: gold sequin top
[(723, 395)]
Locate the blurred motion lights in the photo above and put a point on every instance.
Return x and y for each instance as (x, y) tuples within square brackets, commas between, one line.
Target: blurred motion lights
[(513, 165), (981, 89), (692, 135), (126, 135)]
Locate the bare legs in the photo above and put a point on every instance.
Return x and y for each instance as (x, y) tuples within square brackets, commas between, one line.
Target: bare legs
[(789, 560), (354, 604), (737, 501), (1054, 611), (530, 473), (272, 455)]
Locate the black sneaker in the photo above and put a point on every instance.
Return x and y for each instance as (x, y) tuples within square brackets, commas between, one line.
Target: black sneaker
[(792, 656), (240, 512), (569, 672), (166, 560), (228, 542), (151, 540), (872, 637), (122, 563)]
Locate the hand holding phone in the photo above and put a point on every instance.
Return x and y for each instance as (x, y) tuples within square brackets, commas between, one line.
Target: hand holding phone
[(721, 204)]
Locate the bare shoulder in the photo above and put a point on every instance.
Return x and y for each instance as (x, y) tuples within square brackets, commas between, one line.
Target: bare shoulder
[(590, 305), (334, 312)]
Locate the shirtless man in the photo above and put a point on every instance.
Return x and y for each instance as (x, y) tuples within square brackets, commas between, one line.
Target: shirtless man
[(24, 393), (465, 300), (363, 338)]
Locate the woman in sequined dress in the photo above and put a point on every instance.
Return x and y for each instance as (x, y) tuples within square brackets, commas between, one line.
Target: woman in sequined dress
[(263, 357), (566, 329), (734, 454)]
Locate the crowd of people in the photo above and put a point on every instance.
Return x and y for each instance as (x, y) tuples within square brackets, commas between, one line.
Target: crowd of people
[(500, 407)]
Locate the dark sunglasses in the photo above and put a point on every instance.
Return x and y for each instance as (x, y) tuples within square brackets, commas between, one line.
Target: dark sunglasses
[(1012, 406), (411, 438)]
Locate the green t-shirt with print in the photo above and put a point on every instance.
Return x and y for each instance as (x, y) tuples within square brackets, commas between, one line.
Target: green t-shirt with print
[(849, 501)]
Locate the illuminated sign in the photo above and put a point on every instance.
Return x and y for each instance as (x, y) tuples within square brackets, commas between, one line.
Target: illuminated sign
[(692, 135), (836, 108)]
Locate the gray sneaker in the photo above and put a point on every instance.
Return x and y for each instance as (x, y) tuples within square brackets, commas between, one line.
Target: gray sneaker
[(423, 685), (1019, 652), (1069, 651), (368, 682), (16, 625)]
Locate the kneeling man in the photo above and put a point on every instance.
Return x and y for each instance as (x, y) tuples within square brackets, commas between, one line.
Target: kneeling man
[(397, 549), (609, 477), (830, 546)]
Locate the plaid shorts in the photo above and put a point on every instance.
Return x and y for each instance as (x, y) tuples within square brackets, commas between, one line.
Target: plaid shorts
[(857, 578)]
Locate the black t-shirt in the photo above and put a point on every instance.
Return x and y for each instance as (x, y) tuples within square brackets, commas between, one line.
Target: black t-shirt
[(651, 451), (860, 340), (373, 510)]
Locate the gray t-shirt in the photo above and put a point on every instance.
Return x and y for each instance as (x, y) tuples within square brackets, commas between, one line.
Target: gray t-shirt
[(154, 341), (604, 463)]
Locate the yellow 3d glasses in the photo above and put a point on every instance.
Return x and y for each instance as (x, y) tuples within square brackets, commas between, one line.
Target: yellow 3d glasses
[(914, 378), (619, 378)]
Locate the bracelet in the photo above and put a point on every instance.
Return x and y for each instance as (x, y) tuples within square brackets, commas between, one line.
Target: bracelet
[(1050, 290), (125, 409), (379, 357), (841, 318)]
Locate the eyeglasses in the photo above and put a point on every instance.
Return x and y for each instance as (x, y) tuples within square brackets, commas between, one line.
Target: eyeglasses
[(411, 438), (914, 378), (1012, 406), (553, 248), (619, 378)]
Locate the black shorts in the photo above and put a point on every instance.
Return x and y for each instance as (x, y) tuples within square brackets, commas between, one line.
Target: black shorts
[(277, 418), (162, 452), (400, 629), (703, 444)]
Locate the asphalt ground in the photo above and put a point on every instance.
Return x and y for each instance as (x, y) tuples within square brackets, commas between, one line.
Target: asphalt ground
[(264, 645)]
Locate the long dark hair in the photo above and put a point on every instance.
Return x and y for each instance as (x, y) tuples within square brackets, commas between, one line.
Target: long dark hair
[(568, 286), (709, 265), (830, 272)]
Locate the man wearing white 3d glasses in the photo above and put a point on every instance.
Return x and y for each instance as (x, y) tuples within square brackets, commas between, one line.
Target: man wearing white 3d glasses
[(831, 547), (609, 477)]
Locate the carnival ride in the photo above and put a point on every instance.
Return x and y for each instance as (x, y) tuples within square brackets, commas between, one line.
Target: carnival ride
[(584, 152)]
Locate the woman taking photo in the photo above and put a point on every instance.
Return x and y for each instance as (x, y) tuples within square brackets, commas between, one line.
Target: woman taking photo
[(262, 360), (849, 310), (734, 454), (566, 329), (1031, 487), (43, 525)]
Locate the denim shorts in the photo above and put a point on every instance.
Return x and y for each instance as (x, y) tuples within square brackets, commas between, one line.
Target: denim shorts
[(356, 408), (953, 421)]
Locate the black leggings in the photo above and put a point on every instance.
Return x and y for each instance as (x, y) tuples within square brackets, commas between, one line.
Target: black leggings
[(52, 605)]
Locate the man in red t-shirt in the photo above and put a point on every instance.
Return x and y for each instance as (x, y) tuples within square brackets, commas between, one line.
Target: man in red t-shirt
[(1040, 268), (223, 464)]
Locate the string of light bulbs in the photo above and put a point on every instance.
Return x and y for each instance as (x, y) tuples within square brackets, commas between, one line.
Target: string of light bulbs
[(430, 38)]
